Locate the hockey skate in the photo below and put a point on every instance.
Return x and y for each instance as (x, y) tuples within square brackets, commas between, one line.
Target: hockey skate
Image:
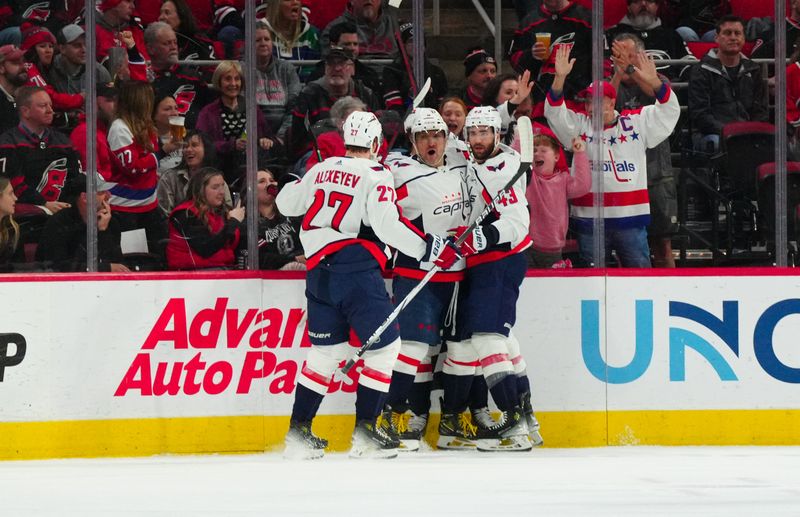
[(533, 423), (302, 444), (456, 432), (482, 418), (509, 434), (410, 428), (374, 439)]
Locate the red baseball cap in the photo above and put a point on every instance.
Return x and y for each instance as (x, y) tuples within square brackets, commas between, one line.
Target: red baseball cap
[(607, 89)]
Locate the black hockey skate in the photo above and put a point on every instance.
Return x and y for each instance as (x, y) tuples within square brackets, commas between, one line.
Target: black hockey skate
[(456, 432), (302, 444), (530, 417), (411, 428), (374, 439), (482, 418), (509, 434)]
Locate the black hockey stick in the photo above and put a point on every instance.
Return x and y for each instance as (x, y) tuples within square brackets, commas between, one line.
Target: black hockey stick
[(526, 152), (310, 131)]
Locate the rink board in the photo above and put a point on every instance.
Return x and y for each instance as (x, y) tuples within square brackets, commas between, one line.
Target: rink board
[(149, 364)]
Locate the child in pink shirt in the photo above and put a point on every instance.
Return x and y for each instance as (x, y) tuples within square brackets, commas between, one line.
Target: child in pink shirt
[(550, 187)]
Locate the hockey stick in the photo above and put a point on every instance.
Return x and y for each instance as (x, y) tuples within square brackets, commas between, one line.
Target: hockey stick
[(310, 131), (526, 152), (399, 41), (418, 99)]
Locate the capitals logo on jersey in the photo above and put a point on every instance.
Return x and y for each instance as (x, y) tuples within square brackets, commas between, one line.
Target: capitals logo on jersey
[(53, 179), (184, 97)]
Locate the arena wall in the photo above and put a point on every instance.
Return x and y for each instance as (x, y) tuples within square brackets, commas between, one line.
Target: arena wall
[(105, 365)]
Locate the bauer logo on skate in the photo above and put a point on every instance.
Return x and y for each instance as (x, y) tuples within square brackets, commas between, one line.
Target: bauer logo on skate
[(733, 339), (221, 349)]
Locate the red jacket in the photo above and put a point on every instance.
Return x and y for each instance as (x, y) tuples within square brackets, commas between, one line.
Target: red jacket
[(181, 254), (102, 150), (61, 101)]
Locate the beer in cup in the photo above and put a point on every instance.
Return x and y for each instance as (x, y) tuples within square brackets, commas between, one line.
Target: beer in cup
[(177, 128), (544, 39)]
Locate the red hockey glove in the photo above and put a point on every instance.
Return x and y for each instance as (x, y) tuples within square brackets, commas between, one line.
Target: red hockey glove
[(482, 237), (441, 251)]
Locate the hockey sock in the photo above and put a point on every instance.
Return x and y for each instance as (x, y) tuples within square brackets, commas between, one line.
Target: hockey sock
[(478, 393), (369, 403), (456, 392), (399, 390), (523, 384), (306, 404), (419, 399), (505, 393)]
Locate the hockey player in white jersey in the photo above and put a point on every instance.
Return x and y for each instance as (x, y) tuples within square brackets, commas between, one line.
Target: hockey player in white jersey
[(496, 268), (350, 214), (433, 195)]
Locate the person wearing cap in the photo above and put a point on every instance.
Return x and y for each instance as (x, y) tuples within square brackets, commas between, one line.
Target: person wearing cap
[(182, 82), (376, 28), (567, 23), (117, 28), (317, 97), (345, 35), (106, 113), (67, 74), (479, 68), (398, 93), (38, 44), (625, 139), (39, 160), (12, 77)]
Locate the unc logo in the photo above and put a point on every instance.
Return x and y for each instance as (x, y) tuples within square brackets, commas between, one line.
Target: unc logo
[(726, 328)]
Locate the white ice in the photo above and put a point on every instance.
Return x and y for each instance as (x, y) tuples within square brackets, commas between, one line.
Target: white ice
[(613, 481)]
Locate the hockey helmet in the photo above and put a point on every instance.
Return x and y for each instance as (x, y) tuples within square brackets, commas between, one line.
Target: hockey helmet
[(361, 128), (483, 116), (427, 119)]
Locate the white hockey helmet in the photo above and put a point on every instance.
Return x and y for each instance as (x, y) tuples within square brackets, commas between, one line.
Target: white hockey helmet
[(427, 119), (361, 128), (409, 121), (486, 116)]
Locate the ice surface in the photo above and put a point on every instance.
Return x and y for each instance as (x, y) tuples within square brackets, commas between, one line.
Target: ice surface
[(613, 481)]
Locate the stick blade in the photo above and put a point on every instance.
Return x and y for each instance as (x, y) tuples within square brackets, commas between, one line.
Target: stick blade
[(525, 130), (423, 92)]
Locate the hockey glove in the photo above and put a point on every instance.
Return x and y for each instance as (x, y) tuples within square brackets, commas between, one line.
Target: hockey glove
[(441, 251), (481, 238)]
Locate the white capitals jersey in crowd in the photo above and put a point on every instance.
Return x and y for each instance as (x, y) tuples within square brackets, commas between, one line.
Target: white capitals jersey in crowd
[(510, 215), (348, 201), (436, 200)]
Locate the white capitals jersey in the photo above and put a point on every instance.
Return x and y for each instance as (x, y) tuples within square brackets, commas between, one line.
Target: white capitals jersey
[(510, 215), (436, 200), (348, 201)]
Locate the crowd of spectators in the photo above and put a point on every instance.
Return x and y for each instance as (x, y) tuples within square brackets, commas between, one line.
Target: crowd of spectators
[(171, 134)]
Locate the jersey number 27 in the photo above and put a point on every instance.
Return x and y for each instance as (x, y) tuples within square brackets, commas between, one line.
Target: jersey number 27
[(337, 200)]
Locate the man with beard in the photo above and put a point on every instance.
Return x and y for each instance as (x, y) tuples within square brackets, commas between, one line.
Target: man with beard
[(496, 267), (12, 77), (182, 83), (660, 42), (106, 111), (316, 99)]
